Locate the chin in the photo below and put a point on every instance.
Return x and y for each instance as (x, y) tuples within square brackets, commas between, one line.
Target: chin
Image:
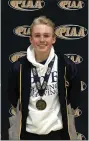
[(45, 49)]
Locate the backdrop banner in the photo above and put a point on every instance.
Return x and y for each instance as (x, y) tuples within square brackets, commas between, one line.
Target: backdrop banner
[(71, 21)]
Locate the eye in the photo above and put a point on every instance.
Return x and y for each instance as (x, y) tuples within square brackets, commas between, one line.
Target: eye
[(46, 35), (37, 35)]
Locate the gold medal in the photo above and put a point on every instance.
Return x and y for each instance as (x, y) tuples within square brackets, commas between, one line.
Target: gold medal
[(41, 104)]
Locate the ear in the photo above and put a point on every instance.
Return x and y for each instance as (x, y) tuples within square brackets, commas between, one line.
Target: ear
[(30, 39), (54, 39)]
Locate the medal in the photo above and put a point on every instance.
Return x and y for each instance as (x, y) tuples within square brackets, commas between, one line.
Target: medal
[(41, 104)]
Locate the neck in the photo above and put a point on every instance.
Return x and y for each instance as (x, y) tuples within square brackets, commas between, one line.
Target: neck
[(41, 57)]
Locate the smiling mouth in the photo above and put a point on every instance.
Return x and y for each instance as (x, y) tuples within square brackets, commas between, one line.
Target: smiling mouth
[(42, 45)]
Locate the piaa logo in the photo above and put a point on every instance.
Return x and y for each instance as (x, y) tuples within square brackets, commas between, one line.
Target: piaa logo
[(80, 136), (71, 4), (15, 56), (70, 32), (83, 86), (77, 59), (26, 5), (23, 31)]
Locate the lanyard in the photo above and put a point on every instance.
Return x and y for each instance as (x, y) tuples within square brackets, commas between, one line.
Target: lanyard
[(41, 88)]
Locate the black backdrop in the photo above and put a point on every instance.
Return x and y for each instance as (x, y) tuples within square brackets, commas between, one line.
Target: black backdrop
[(75, 46)]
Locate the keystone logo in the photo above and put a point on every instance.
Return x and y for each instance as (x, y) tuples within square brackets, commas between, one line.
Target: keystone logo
[(80, 136), (77, 112), (71, 4), (12, 111), (70, 32), (26, 5), (15, 56), (77, 59), (83, 86), (23, 31)]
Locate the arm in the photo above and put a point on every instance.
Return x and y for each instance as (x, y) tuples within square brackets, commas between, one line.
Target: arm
[(74, 88), (13, 84)]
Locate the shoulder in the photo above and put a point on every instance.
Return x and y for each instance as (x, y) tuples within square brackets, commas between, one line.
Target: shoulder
[(71, 67), (16, 65)]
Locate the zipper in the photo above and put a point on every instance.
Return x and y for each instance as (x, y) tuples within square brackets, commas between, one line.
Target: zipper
[(20, 104), (66, 102)]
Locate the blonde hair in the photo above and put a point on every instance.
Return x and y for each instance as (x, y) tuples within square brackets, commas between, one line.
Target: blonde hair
[(42, 20)]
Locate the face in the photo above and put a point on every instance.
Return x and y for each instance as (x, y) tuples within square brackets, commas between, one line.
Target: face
[(42, 38)]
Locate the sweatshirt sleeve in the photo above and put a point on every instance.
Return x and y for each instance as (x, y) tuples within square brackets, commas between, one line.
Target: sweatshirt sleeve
[(13, 84), (74, 88)]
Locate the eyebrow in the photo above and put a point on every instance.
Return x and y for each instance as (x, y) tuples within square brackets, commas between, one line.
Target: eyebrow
[(43, 33)]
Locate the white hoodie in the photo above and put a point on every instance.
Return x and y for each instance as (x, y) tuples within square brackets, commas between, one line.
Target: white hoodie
[(49, 119)]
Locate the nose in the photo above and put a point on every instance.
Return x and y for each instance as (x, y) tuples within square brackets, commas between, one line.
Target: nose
[(41, 39)]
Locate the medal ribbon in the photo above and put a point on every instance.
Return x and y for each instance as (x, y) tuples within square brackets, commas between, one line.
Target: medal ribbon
[(41, 88)]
